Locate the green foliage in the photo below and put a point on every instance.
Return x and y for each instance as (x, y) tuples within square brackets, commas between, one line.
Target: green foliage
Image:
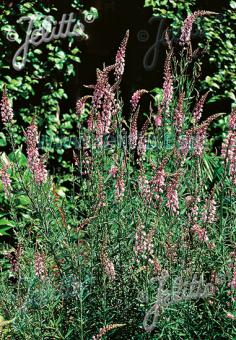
[(41, 86)]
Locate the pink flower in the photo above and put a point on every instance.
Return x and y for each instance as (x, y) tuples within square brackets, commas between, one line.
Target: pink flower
[(168, 81), (80, 104), (142, 143), (200, 232), (113, 171), (133, 136), (184, 143), (35, 163), (120, 57), (228, 151), (197, 112), (188, 25), (193, 215), (200, 138), (209, 214), (158, 120), (90, 122), (144, 186), (144, 247), (108, 266), (6, 109), (158, 182), (6, 181), (230, 316), (140, 240), (233, 281), (172, 197), (104, 104), (136, 98), (39, 266), (232, 120)]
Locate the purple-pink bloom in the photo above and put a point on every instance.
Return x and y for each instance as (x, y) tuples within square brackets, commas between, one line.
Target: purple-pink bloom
[(120, 57), (36, 164), (40, 266), (6, 109), (6, 181), (200, 138), (184, 143), (158, 120), (133, 136), (200, 232), (197, 112), (142, 143), (168, 81), (136, 98), (172, 196), (81, 104), (144, 186), (228, 150), (186, 30), (209, 213), (113, 171), (158, 182)]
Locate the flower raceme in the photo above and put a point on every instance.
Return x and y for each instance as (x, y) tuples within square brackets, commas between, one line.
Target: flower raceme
[(39, 266), (197, 112), (172, 196), (168, 81), (6, 179), (133, 136), (104, 103), (136, 98), (6, 109), (35, 162), (228, 150), (186, 30), (120, 57), (108, 265), (106, 329)]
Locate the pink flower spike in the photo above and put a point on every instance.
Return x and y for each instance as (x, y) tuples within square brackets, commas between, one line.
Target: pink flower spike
[(186, 30), (39, 266), (81, 104), (133, 136), (113, 171), (120, 57), (197, 112), (158, 120), (172, 197), (6, 180), (6, 109), (136, 98), (35, 163), (200, 232), (209, 214), (168, 81), (199, 141)]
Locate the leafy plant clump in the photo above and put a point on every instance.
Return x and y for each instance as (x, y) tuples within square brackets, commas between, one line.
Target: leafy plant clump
[(143, 247)]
